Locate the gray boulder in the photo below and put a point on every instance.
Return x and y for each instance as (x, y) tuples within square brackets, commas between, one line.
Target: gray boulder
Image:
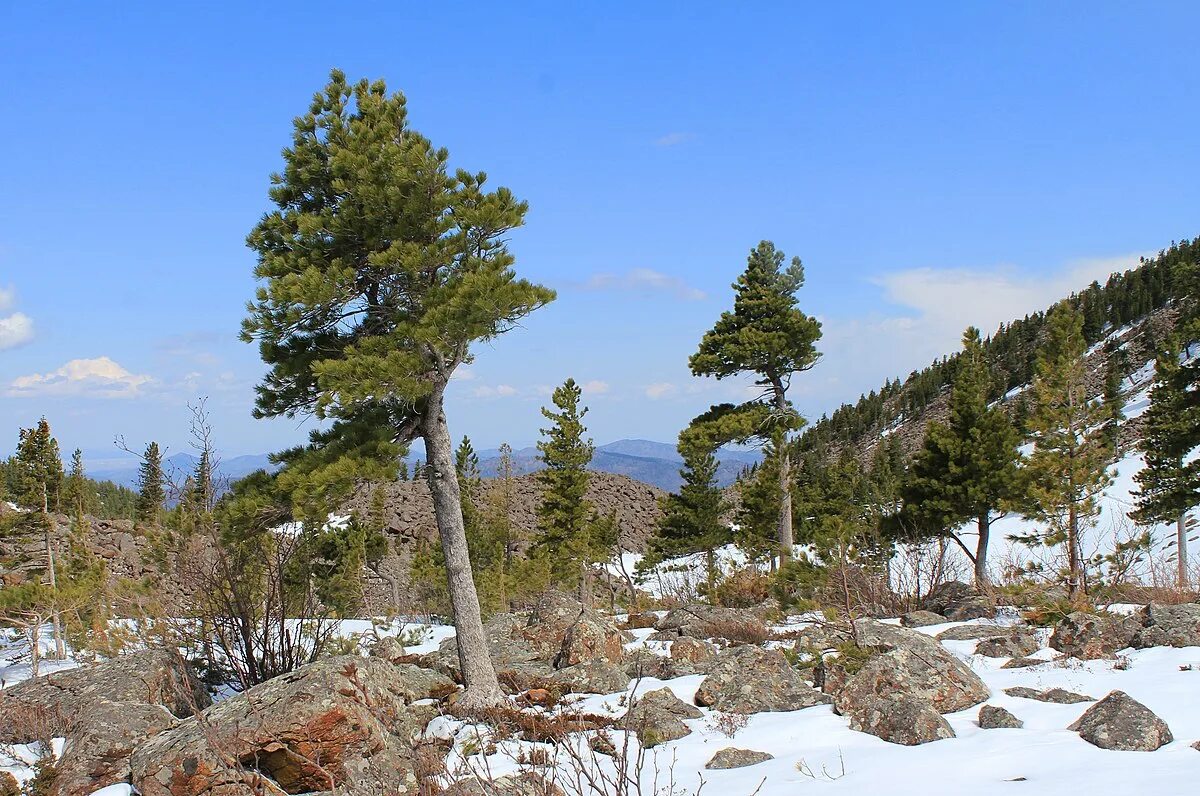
[(753, 680), (591, 678), (1168, 626), (899, 719), (959, 602), (992, 717), (922, 619), (971, 632), (1058, 696), (1093, 636), (658, 717), (732, 757), (389, 648), (1120, 722), (1017, 642)]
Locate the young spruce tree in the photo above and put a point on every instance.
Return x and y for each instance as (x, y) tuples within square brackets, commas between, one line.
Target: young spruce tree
[(691, 521), (767, 335), (379, 269), (968, 468), (151, 492)]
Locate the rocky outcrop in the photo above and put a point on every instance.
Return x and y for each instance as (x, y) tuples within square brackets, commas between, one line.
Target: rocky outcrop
[(1092, 636), (992, 717), (594, 677), (658, 716), (342, 725), (1168, 626), (922, 619), (103, 711), (733, 757), (899, 719), (1015, 642), (1121, 722), (750, 679)]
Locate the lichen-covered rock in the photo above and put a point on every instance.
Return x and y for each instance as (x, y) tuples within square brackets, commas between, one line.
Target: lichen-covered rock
[(1058, 696), (1017, 642), (753, 680), (992, 717), (899, 719), (733, 757), (389, 648), (686, 648), (591, 678), (959, 602), (658, 717), (341, 725), (906, 663), (1093, 636), (1168, 626), (972, 632), (922, 619), (1121, 722)]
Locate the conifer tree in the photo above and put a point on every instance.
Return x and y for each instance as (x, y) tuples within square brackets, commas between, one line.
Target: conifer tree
[(1068, 467), (151, 491), (379, 269), (202, 492), (1114, 399), (1169, 485), (691, 520), (77, 493), (564, 514), (967, 469), (40, 478), (767, 335)]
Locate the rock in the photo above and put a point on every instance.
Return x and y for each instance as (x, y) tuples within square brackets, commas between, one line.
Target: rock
[(959, 602), (518, 658), (922, 619), (1015, 643), (1120, 722), (899, 719), (591, 678), (1023, 663), (591, 638), (657, 717), (992, 717), (753, 680), (343, 725), (713, 621), (640, 621), (1168, 626), (686, 648), (388, 648), (644, 663), (1058, 696), (736, 758), (907, 664), (104, 712), (1092, 636), (971, 632)]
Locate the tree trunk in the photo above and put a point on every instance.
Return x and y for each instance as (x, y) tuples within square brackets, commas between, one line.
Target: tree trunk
[(483, 689), (1181, 554), (785, 536), (981, 551), (60, 651), (35, 651), (710, 566), (1075, 579)]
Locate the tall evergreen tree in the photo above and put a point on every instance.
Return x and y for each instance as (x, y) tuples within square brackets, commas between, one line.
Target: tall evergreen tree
[(564, 514), (1169, 485), (1069, 464), (151, 490), (767, 335), (203, 491), (77, 492), (691, 520), (379, 270), (1114, 399), (967, 469), (40, 482)]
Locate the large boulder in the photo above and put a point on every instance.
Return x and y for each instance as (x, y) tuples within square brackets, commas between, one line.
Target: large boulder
[(992, 717), (1092, 636), (591, 678), (899, 719), (922, 619), (1015, 642), (1168, 626), (1121, 722), (103, 711), (658, 716), (959, 602), (753, 680), (732, 757), (341, 725), (904, 663)]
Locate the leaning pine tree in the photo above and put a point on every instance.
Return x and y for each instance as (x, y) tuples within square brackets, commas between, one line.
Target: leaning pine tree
[(1169, 484), (968, 467), (767, 335), (380, 268)]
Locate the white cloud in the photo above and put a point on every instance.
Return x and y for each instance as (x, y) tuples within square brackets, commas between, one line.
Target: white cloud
[(594, 387), (499, 391), (98, 378), (673, 139), (660, 389), (8, 297), (645, 281), (15, 330)]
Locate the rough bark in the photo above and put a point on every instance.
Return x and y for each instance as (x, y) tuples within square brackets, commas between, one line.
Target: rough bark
[(479, 675), (785, 535), (984, 525), (1181, 552)]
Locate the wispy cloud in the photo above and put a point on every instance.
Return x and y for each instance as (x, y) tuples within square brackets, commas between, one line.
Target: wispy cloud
[(645, 281), (673, 139), (594, 387), (15, 329), (662, 389), (97, 378), (498, 391)]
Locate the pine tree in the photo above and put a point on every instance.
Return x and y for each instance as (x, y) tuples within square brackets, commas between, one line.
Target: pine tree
[(968, 467), (202, 492), (39, 469), (151, 490), (691, 519), (767, 335), (1068, 466), (379, 270), (564, 514), (1114, 399), (1169, 485)]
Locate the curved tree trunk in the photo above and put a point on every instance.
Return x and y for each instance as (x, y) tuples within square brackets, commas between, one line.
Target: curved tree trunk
[(483, 689), (984, 525)]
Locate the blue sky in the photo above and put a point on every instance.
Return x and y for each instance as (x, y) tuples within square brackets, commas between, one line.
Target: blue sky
[(934, 164)]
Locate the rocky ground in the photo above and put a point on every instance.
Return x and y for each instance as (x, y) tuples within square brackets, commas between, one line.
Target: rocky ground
[(741, 699)]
